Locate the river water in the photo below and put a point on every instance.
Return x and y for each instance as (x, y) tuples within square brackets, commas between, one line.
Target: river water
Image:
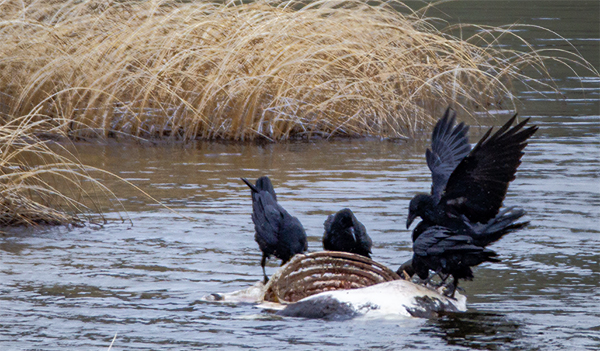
[(76, 288)]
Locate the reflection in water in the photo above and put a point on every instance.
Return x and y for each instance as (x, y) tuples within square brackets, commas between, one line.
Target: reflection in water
[(478, 330)]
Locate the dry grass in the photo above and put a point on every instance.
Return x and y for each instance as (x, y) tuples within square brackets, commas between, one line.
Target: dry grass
[(276, 70), (41, 182)]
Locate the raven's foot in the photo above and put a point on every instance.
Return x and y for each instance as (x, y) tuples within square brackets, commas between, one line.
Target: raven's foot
[(451, 290), (437, 286)]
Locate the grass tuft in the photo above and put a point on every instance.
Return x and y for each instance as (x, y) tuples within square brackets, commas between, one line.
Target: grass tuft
[(41, 182), (274, 70)]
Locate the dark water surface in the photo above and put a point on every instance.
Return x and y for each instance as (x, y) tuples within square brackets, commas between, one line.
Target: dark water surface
[(74, 289)]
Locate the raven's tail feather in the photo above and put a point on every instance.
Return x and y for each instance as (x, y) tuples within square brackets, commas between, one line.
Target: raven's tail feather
[(501, 225)]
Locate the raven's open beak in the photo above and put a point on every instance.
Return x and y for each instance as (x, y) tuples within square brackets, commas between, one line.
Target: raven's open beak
[(410, 219)]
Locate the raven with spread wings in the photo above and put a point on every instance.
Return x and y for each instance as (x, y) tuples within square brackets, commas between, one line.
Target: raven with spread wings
[(467, 192), (469, 184)]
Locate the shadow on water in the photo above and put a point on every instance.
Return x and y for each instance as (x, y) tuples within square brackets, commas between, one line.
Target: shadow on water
[(476, 330)]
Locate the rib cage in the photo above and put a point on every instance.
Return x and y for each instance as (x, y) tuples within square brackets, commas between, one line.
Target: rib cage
[(308, 274)]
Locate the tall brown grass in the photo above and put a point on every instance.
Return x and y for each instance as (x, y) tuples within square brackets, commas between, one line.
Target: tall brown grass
[(238, 71), (41, 182)]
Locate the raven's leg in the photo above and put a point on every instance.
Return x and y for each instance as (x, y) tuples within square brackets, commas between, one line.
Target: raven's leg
[(426, 281), (443, 277), (263, 262), (453, 285)]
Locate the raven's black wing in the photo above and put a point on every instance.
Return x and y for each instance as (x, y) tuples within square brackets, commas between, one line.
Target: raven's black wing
[(437, 240), (449, 145), (328, 223), (267, 216), (429, 239), (436, 247), (443, 251), (292, 238), (362, 238), (504, 223), (478, 185)]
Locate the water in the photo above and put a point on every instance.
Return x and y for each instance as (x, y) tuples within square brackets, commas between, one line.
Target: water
[(74, 289)]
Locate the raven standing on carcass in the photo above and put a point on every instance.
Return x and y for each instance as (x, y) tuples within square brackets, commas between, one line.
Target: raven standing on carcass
[(343, 232), (460, 216), (450, 252), (278, 233)]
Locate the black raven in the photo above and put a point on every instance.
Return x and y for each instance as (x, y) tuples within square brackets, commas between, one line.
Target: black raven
[(450, 253), (467, 191), (278, 233), (343, 232), (468, 183)]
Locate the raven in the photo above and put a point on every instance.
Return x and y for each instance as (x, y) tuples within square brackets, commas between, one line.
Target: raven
[(278, 233), (343, 232), (448, 252), (468, 183), (467, 191)]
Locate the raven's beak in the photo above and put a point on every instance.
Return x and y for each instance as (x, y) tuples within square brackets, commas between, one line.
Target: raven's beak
[(410, 219)]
